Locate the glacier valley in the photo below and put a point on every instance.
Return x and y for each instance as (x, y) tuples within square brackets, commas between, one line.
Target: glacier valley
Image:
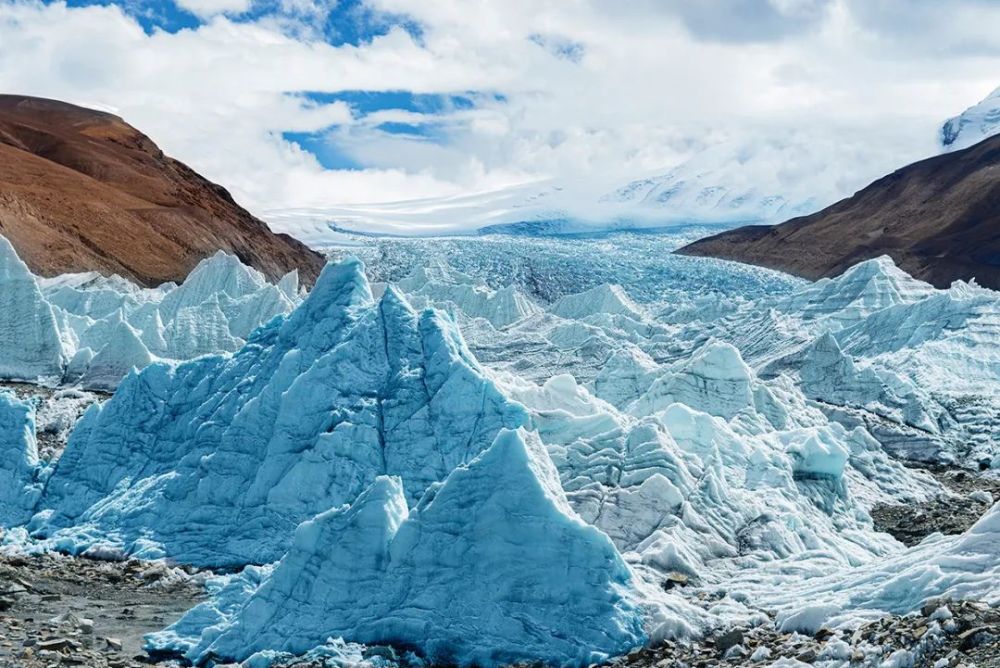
[(498, 450)]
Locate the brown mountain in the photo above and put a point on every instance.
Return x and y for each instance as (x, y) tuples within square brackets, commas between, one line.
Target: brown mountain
[(82, 190), (939, 220)]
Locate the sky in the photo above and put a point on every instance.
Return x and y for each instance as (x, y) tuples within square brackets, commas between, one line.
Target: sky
[(304, 103)]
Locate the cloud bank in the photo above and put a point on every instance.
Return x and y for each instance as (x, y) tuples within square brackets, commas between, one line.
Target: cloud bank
[(310, 104)]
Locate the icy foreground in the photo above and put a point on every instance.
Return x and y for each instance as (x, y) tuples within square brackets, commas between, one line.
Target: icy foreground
[(19, 488), (91, 330), (529, 505), (450, 575)]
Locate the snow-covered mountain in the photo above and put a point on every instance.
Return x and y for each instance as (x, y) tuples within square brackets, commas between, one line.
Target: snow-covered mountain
[(973, 125), (763, 178), (730, 183)]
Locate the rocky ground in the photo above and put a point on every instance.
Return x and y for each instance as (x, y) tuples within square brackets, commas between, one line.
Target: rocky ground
[(972, 495), (942, 634), (57, 610)]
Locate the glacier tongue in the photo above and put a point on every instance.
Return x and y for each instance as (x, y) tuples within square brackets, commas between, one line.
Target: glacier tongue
[(489, 568), (214, 462)]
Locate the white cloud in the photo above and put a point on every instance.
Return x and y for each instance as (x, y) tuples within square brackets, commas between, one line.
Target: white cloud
[(594, 91)]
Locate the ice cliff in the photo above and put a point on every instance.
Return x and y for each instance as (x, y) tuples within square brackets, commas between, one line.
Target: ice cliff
[(216, 460), (30, 344), (449, 576), (20, 471)]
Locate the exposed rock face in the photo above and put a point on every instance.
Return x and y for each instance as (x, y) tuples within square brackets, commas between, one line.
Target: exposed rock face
[(83, 190), (936, 218)]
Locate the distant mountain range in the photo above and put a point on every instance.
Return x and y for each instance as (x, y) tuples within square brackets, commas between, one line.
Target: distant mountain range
[(749, 180), (81, 190)]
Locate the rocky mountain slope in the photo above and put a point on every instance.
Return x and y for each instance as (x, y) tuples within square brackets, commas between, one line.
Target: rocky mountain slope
[(82, 190), (936, 218)]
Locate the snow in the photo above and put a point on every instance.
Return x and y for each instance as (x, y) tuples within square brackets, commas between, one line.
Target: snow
[(726, 182), (447, 576), (973, 125), (92, 330)]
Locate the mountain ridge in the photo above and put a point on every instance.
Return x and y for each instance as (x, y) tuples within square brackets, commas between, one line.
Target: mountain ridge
[(83, 190), (936, 218)]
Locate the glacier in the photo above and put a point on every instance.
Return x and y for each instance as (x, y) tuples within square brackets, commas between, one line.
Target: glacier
[(451, 450)]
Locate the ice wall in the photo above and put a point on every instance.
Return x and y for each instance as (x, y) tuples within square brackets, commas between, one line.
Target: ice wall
[(215, 461), (491, 567)]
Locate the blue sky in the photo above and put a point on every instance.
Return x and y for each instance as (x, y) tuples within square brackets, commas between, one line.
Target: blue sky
[(340, 23), (326, 103), (345, 22)]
